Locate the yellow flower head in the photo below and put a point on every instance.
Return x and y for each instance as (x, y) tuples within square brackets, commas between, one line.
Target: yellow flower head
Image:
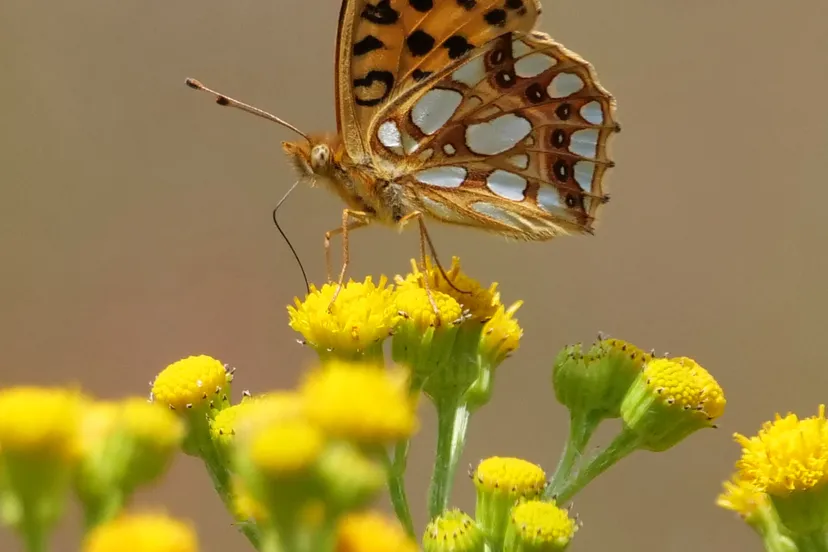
[(413, 305), (256, 410), (453, 531), (480, 303), (501, 334), (742, 498), (515, 477), (40, 422), (194, 382), (669, 400), (154, 425), (362, 316), (541, 526), (360, 402), (284, 449), (244, 505), (788, 455), (501, 482), (788, 460), (142, 533), (372, 532)]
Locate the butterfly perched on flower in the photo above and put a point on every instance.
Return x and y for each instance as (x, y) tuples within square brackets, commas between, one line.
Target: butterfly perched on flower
[(458, 111)]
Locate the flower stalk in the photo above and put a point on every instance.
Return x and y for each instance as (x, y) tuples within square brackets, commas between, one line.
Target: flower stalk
[(452, 426)]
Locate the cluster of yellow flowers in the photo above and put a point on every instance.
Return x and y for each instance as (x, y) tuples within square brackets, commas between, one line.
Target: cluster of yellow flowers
[(300, 469)]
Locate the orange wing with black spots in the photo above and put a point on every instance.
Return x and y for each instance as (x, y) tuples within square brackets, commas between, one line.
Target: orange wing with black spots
[(388, 49)]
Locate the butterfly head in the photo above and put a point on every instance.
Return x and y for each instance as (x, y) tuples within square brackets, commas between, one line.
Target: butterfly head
[(314, 157)]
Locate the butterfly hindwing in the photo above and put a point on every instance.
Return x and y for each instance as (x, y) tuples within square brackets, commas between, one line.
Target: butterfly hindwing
[(387, 48), (513, 137)]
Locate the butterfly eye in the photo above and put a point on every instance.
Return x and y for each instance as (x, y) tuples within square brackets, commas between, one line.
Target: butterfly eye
[(320, 156)]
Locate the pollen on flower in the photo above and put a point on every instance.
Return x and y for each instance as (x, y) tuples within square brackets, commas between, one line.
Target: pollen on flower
[(413, 305), (684, 384), (510, 476), (502, 333), (372, 532), (542, 525), (619, 346), (789, 454), (286, 448), (192, 382), (742, 497), (479, 302), (40, 421), (142, 533), (361, 402), (453, 531), (362, 315)]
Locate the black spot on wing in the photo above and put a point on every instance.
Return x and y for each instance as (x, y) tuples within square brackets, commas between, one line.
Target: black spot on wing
[(561, 170), (457, 46), (419, 43), (381, 13), (367, 44), (496, 17), (467, 4), (421, 5), (514, 4), (419, 74), (383, 77), (563, 111)]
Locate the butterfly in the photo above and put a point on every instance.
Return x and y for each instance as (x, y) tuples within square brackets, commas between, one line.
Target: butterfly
[(457, 111)]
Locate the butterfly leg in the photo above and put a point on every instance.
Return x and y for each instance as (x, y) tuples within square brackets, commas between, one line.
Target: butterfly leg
[(351, 220)]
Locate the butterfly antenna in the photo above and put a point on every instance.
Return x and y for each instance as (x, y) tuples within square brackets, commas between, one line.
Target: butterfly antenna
[(221, 99), (282, 232)]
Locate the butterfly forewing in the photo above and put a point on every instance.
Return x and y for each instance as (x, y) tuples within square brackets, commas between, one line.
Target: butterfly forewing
[(388, 48)]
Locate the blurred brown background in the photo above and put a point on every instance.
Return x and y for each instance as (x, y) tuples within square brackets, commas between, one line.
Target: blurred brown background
[(136, 226)]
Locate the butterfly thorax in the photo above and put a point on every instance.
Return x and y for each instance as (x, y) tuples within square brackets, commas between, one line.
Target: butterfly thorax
[(323, 160)]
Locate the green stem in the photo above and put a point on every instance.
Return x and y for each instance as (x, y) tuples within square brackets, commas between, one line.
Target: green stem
[(813, 542), (452, 425), (34, 536), (97, 512), (581, 427), (220, 477), (625, 443), (396, 485)]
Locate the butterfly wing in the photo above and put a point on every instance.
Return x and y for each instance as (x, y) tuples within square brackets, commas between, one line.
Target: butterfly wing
[(389, 48), (511, 138)]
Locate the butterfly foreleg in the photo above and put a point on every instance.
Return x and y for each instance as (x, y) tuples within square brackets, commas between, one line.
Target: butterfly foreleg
[(351, 220)]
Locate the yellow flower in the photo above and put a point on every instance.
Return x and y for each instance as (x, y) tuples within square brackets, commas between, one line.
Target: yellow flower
[(501, 334), (244, 505), (501, 482), (481, 303), (453, 531), (155, 426), (142, 533), (742, 498), (194, 382), (414, 307), (669, 400), (360, 402), (42, 423), (351, 479), (362, 316), (254, 410), (283, 449), (540, 527), (788, 460), (372, 532)]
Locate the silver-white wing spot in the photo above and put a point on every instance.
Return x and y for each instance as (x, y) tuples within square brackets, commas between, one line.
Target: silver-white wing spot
[(448, 149), (520, 161), (443, 177), (533, 65), (592, 113), (389, 136), (434, 109), (584, 142), (548, 199), (471, 73), (507, 185), (519, 48), (584, 171), (439, 210), (564, 85), (497, 135)]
